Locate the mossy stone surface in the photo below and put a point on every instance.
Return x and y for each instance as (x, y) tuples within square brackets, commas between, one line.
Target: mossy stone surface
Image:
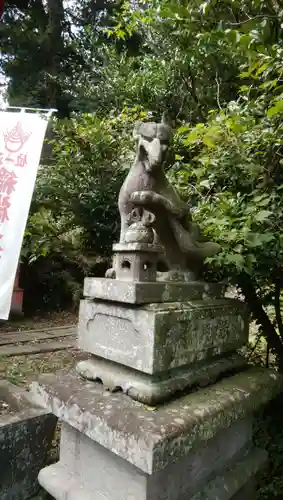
[(152, 438)]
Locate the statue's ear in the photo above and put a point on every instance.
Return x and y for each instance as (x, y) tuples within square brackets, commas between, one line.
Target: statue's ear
[(136, 131), (166, 120)]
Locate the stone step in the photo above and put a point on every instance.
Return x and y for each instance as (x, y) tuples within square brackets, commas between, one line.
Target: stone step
[(21, 350), (34, 335)]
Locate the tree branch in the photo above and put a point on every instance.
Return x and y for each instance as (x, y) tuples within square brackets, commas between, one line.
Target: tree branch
[(278, 308), (56, 16), (218, 91), (260, 16), (192, 90), (268, 329)]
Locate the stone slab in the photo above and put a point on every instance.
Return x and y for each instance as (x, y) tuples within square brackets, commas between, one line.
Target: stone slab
[(226, 486), (136, 247), (146, 293), (155, 389), (88, 470), (159, 337), (151, 439), (22, 350), (26, 434), (64, 485), (24, 336)]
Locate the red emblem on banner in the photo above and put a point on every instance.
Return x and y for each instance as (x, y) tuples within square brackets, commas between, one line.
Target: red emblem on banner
[(15, 138)]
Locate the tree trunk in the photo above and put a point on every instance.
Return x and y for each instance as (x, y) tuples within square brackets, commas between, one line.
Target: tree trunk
[(261, 317), (56, 17)]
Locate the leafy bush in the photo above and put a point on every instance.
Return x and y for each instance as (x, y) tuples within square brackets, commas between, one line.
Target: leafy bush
[(230, 168), (74, 216)]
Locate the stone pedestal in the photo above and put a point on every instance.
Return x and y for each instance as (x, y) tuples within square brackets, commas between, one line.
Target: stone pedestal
[(114, 448), (151, 350), (162, 409)]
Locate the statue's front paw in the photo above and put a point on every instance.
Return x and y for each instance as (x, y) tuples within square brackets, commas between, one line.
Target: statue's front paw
[(135, 197), (140, 197)]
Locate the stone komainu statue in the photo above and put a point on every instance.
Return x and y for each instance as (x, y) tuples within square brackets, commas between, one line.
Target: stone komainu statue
[(147, 188)]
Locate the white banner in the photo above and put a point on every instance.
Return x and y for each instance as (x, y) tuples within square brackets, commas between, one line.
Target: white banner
[(21, 141)]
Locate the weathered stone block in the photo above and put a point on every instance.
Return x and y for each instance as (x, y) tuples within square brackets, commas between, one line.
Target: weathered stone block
[(137, 292), (148, 438), (26, 433), (159, 337), (88, 470), (228, 484), (157, 388), (196, 448)]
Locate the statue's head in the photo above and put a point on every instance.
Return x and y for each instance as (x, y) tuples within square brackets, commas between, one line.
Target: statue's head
[(153, 140)]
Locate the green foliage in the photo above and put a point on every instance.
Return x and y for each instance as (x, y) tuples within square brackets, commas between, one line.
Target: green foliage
[(230, 168), (217, 67), (74, 216), (90, 159), (193, 50), (235, 189), (49, 48)]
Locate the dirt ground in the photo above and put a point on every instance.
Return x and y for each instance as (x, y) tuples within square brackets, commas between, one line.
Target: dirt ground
[(48, 320), (22, 370)]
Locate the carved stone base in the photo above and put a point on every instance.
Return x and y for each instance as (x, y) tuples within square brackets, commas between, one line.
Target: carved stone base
[(98, 474), (137, 292), (152, 390), (198, 447), (156, 338)]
